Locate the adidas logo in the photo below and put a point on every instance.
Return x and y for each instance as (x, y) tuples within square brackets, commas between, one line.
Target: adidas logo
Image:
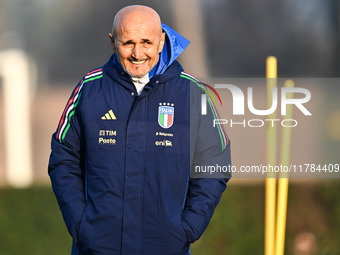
[(109, 116)]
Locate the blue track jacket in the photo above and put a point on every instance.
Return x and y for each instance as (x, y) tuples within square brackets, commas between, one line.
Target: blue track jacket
[(120, 163)]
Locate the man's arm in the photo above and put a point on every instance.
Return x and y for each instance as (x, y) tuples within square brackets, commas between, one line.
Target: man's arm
[(65, 166), (210, 147)]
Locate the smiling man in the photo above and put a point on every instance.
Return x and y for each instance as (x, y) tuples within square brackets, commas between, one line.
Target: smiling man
[(127, 142)]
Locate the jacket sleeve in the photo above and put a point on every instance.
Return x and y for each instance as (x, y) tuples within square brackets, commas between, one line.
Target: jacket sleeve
[(65, 165), (209, 147)]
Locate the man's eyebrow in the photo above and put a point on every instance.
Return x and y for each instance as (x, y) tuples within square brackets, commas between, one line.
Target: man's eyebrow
[(131, 41), (127, 42), (146, 40)]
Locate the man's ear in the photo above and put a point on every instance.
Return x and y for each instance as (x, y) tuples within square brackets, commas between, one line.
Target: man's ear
[(112, 40), (161, 43)]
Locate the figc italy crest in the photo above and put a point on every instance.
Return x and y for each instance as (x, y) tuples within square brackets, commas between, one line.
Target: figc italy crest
[(166, 114)]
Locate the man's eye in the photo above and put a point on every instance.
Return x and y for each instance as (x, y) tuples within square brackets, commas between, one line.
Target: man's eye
[(128, 43), (147, 42)]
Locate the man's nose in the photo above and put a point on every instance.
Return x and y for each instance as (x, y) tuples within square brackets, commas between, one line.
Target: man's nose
[(137, 51)]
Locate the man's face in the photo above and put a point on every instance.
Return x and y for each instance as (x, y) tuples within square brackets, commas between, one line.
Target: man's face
[(138, 43)]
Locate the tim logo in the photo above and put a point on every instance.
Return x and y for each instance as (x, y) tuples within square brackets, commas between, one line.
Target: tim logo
[(166, 114)]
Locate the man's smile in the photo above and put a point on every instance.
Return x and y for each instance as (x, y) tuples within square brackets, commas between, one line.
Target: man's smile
[(138, 62)]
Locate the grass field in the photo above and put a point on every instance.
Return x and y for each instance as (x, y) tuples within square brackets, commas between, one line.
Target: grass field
[(31, 223)]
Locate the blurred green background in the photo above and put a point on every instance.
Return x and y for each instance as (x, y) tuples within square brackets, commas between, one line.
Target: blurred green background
[(31, 222)]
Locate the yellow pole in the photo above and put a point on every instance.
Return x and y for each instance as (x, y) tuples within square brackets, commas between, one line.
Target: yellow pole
[(270, 197), (283, 181)]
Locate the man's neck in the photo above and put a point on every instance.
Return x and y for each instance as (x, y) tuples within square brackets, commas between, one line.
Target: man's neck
[(140, 82)]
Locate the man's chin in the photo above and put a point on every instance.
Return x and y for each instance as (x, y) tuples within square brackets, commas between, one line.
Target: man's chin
[(137, 74)]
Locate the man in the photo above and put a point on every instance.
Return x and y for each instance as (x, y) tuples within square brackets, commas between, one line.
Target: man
[(127, 139)]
